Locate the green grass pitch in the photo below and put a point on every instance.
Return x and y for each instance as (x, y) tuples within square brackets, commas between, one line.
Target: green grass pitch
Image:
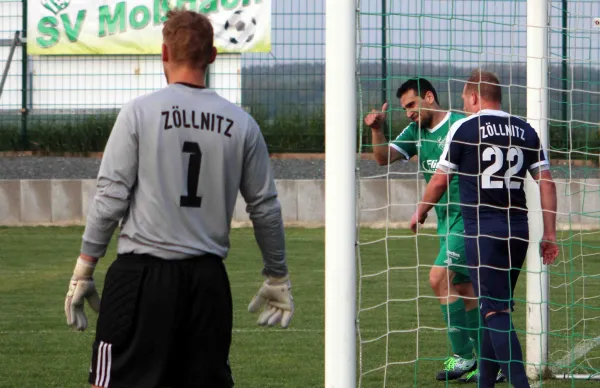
[(37, 349)]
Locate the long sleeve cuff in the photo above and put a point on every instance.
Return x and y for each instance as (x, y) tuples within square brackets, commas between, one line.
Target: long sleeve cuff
[(94, 250), (96, 246)]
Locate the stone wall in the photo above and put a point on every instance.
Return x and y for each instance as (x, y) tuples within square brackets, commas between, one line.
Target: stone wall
[(65, 202)]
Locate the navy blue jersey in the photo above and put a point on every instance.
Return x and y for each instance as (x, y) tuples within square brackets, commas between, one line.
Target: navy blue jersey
[(491, 152)]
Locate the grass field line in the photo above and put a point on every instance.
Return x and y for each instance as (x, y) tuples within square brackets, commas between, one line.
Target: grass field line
[(241, 331), (257, 330), (578, 352)]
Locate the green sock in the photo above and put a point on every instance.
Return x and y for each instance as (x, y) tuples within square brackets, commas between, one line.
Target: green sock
[(473, 325), (457, 329)]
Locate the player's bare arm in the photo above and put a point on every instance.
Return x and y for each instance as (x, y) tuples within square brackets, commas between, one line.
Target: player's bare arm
[(549, 205), (435, 189), (381, 150)]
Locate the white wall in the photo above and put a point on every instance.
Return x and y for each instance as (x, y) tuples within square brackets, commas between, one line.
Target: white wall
[(226, 77), (382, 203), (94, 82), (97, 82)]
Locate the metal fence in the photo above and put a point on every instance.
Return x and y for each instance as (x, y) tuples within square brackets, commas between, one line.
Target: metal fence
[(67, 103)]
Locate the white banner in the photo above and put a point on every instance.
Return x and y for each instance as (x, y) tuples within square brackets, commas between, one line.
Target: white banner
[(108, 27)]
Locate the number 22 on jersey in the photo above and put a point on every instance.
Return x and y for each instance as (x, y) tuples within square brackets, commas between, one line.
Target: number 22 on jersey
[(499, 158)]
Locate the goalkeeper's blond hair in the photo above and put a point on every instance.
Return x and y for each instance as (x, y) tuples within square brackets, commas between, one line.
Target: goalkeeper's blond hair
[(189, 37)]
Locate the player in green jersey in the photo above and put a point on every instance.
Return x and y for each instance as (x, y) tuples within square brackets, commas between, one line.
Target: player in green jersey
[(425, 136)]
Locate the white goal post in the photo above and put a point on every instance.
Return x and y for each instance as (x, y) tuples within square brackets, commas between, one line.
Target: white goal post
[(536, 345), (340, 185)]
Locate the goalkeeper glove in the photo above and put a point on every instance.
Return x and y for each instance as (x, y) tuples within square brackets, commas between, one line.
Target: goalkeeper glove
[(275, 297), (81, 287)]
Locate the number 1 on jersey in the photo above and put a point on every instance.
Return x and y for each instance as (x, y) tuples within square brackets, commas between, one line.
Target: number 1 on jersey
[(192, 199)]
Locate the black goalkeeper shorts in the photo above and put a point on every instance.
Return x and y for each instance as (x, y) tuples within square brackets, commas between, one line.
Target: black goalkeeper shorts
[(163, 323)]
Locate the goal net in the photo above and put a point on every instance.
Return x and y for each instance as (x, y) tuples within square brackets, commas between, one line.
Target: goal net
[(402, 337)]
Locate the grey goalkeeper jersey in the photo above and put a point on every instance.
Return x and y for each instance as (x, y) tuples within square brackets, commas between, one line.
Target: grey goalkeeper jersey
[(172, 167)]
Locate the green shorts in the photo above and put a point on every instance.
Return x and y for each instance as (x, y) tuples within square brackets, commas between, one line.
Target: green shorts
[(452, 255)]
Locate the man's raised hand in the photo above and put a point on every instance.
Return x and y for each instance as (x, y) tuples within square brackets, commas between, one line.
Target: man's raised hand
[(376, 118)]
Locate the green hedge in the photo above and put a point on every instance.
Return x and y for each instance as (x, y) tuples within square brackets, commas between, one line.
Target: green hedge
[(89, 133), (579, 141), (58, 133), (295, 133)]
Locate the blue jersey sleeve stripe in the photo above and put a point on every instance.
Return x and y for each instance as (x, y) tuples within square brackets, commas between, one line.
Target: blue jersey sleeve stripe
[(538, 164), (447, 166)]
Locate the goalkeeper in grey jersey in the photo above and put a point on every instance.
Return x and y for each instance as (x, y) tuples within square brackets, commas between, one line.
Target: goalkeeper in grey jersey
[(171, 171)]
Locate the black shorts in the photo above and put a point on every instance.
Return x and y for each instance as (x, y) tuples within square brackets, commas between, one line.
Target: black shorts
[(494, 265), (163, 323)]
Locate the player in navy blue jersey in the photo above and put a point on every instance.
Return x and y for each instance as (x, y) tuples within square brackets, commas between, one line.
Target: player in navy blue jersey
[(492, 151)]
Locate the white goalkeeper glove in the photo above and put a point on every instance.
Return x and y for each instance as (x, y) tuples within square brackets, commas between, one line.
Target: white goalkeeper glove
[(275, 297), (81, 287)]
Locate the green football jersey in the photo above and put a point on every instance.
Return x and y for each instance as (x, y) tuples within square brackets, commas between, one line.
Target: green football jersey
[(428, 144)]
